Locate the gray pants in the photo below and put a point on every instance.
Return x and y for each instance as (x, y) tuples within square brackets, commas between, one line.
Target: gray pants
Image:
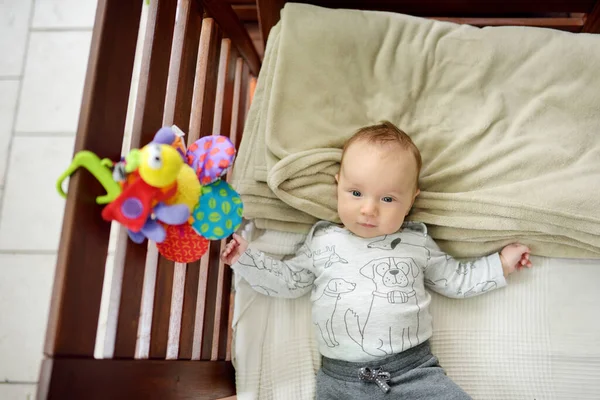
[(414, 374)]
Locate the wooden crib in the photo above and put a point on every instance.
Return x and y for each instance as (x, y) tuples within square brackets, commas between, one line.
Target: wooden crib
[(169, 326)]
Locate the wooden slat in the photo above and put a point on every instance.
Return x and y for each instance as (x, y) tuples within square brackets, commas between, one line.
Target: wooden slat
[(230, 326), (201, 124), (592, 20), (188, 318), (224, 94), (77, 290), (161, 313), (91, 379), (567, 24), (147, 120), (209, 275), (182, 69), (205, 86), (223, 115), (240, 95), (129, 309), (233, 29), (237, 124)]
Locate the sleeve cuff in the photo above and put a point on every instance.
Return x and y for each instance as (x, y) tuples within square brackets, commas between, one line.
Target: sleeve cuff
[(496, 272)]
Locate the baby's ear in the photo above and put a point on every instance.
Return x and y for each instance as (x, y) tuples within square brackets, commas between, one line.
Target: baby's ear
[(337, 178), (413, 200)]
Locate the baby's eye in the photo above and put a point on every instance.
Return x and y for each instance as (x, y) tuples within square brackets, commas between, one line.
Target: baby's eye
[(387, 199), (356, 193)]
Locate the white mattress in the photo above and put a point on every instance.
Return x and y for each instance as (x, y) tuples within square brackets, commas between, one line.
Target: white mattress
[(538, 338)]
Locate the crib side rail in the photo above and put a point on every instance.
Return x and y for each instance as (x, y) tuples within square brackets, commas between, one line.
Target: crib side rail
[(567, 15), (195, 73)]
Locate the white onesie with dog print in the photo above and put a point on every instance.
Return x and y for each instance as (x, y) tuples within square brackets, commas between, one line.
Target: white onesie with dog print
[(368, 295)]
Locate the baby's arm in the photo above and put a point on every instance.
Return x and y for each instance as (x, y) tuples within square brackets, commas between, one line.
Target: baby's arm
[(288, 278), (456, 279)]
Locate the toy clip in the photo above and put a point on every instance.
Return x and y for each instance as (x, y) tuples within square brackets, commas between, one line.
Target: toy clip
[(101, 171)]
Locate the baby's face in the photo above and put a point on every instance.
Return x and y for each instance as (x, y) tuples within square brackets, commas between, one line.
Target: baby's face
[(376, 188)]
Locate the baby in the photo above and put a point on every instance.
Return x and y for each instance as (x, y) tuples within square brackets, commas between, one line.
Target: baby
[(368, 277)]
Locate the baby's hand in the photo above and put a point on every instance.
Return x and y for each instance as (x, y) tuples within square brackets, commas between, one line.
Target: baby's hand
[(514, 256), (234, 249)]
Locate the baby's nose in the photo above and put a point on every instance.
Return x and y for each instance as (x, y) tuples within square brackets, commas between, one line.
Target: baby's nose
[(394, 271), (369, 208)]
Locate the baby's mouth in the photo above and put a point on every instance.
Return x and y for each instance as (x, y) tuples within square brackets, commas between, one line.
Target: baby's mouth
[(367, 225)]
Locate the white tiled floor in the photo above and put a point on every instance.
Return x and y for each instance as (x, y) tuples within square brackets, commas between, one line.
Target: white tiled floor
[(34, 165), (64, 14), (24, 294), (8, 103), (44, 46), (53, 82), (15, 16)]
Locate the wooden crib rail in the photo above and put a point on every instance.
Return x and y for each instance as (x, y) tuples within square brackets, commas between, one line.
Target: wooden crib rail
[(568, 15), (168, 330)]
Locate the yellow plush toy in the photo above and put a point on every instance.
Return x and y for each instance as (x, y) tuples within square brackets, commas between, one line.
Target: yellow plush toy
[(188, 188), (159, 164)]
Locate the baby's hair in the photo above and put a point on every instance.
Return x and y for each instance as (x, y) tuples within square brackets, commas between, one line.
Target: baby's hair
[(385, 133)]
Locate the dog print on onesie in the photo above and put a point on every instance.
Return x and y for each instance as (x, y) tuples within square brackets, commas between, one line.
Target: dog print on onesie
[(381, 335)]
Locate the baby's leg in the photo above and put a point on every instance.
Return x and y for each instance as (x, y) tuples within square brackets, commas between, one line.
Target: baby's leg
[(427, 381)]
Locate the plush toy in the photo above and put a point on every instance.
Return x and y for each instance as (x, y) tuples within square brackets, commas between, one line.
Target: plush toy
[(169, 194), (211, 157), (219, 212), (182, 244)]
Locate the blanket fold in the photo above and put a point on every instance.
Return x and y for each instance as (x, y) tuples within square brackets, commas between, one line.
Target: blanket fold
[(507, 120)]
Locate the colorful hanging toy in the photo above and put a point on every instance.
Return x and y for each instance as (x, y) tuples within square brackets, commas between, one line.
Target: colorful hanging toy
[(168, 194)]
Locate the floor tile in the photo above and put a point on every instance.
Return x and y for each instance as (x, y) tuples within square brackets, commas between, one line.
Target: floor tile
[(25, 290), (14, 24), (8, 101), (53, 82), (20, 391), (64, 13), (32, 210)]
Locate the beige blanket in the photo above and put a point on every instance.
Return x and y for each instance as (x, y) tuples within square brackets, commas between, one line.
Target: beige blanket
[(507, 120)]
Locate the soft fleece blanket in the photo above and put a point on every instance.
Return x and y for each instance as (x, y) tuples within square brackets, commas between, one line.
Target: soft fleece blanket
[(507, 120)]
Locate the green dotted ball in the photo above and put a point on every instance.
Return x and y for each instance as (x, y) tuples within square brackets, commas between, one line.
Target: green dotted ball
[(219, 212)]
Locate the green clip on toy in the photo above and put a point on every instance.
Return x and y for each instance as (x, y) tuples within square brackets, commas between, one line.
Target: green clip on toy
[(101, 171), (167, 193)]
